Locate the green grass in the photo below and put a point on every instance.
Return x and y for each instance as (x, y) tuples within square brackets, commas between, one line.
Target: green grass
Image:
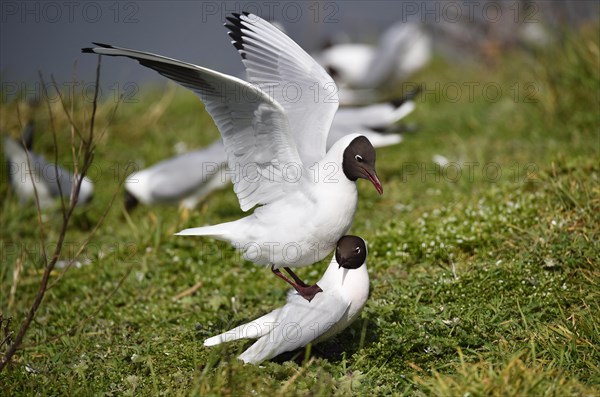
[(482, 284)]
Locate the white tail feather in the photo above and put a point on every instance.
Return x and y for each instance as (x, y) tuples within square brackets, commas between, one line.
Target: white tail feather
[(252, 330), (211, 231)]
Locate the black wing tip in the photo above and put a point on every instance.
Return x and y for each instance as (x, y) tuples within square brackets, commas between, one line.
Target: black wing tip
[(91, 49), (409, 96), (235, 25), (232, 28), (130, 201), (233, 22), (380, 129), (235, 32), (238, 15), (236, 18), (396, 129), (28, 134), (237, 43), (416, 91), (237, 40)]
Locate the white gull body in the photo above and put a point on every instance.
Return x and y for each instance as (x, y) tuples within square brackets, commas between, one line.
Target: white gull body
[(299, 322)]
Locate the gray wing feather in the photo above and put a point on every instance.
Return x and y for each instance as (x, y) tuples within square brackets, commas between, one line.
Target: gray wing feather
[(282, 68), (254, 127)]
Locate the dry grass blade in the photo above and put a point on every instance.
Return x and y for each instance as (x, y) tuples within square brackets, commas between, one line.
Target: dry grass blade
[(36, 196), (53, 129), (188, 291), (88, 150)]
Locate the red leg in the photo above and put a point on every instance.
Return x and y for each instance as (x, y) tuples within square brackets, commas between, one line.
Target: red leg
[(297, 279), (308, 292)]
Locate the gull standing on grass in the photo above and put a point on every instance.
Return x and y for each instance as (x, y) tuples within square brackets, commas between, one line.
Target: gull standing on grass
[(170, 182), (26, 168), (275, 138), (345, 287)]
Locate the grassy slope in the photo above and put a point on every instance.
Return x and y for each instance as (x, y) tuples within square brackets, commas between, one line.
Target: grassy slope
[(518, 316)]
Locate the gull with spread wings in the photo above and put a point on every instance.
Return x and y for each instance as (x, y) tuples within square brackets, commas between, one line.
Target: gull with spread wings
[(274, 130)]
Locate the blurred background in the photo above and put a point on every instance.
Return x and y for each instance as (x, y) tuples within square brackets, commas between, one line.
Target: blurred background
[(48, 36), (486, 240)]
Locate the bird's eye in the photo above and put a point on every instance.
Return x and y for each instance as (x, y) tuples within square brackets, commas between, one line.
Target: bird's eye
[(358, 158), (357, 250)]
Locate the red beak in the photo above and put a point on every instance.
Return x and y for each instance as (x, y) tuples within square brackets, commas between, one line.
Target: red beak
[(375, 181)]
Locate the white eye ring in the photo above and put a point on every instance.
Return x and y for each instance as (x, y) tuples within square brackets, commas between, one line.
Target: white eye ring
[(358, 158), (357, 250)]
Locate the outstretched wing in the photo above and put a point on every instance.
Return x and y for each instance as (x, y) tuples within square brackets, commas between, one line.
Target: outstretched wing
[(293, 78), (254, 127)]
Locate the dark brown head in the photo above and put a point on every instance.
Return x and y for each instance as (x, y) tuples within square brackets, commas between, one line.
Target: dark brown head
[(359, 162), (351, 252)]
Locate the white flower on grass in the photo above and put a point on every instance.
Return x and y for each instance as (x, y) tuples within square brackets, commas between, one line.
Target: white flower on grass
[(441, 160)]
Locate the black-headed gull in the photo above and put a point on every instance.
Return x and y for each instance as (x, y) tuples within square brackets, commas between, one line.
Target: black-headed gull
[(170, 182), (345, 287), (360, 69), (26, 168), (274, 130)]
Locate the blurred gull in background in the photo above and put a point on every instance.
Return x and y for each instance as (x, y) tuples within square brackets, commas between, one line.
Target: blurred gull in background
[(360, 70), (377, 122), (26, 168), (187, 179)]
